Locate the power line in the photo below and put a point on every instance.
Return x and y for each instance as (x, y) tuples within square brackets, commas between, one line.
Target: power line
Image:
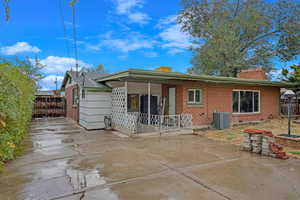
[(75, 37), (65, 37)]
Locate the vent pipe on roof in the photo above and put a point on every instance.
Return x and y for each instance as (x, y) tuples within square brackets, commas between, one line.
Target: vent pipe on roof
[(164, 69)]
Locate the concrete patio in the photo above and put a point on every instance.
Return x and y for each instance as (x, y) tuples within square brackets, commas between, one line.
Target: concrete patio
[(63, 161)]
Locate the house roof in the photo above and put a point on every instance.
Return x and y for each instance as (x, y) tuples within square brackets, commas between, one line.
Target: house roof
[(85, 79), (143, 75)]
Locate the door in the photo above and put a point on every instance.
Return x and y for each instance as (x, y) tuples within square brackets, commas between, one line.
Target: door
[(153, 104), (172, 101)]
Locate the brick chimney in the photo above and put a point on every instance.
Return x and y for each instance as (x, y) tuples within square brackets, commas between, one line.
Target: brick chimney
[(164, 69), (254, 73)]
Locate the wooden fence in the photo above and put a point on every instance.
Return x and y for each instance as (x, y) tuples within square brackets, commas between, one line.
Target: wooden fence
[(295, 107), (49, 106)]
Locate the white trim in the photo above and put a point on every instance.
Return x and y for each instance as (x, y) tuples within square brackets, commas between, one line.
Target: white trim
[(239, 106), (195, 102), (126, 96)]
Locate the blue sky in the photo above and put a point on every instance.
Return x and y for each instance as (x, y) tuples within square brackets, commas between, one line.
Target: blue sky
[(119, 34)]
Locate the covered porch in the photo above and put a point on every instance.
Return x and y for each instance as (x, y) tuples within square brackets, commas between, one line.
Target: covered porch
[(146, 107)]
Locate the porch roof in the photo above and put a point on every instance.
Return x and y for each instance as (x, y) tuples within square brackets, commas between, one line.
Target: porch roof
[(158, 76)]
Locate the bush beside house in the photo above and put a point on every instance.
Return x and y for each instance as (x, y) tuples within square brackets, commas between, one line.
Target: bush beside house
[(16, 100)]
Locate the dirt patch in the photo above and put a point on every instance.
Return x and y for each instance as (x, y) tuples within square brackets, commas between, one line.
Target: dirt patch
[(234, 135)]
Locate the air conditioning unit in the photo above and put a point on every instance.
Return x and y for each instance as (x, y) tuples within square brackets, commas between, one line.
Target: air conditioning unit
[(221, 120)]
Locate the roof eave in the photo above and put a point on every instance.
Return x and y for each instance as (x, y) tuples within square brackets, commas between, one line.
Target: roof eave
[(132, 74)]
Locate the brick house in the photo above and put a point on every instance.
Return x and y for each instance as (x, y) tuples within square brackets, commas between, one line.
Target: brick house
[(176, 98)]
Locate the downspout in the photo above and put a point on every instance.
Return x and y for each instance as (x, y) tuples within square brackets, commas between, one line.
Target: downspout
[(207, 118)]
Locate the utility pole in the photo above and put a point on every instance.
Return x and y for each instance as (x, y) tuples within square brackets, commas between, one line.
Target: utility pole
[(72, 4), (55, 84)]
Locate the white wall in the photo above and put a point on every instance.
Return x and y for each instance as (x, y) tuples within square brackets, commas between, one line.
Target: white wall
[(93, 108), (138, 88)]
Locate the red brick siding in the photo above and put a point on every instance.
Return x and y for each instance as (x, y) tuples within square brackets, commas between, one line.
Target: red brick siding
[(72, 111), (257, 74), (217, 97)]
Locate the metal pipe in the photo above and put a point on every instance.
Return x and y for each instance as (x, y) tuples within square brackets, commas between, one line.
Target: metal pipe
[(149, 99), (289, 116)]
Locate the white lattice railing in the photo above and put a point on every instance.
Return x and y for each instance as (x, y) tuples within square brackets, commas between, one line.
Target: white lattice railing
[(166, 122), (186, 120), (130, 122), (121, 120)]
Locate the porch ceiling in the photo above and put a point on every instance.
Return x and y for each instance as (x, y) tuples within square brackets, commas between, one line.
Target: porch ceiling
[(176, 77)]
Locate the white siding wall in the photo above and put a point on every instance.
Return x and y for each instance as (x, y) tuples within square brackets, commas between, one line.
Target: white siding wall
[(93, 108), (138, 88)]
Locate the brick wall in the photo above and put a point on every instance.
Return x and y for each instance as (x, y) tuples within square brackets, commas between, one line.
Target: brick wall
[(218, 97), (72, 110), (256, 74)]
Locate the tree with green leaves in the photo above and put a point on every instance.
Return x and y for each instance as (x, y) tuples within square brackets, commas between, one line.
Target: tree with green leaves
[(232, 35), (6, 9), (32, 69), (292, 75), (98, 69)]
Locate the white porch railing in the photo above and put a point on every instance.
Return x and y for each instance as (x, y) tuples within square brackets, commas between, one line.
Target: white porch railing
[(135, 122), (163, 123)]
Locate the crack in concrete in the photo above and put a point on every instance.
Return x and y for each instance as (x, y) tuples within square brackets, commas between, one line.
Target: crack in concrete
[(44, 161), (153, 175), (196, 180), (280, 174)]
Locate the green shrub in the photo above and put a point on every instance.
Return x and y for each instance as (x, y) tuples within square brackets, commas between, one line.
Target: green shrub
[(294, 152), (16, 101)]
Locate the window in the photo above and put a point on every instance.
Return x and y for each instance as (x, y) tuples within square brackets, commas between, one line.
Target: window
[(133, 102), (83, 93), (70, 80), (195, 96), (244, 101), (74, 96)]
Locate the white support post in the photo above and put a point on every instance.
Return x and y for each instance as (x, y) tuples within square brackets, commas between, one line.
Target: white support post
[(149, 99), (126, 96)]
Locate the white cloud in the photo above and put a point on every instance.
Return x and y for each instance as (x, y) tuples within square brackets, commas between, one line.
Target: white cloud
[(129, 7), (133, 41), (166, 21), (172, 36), (139, 18), (48, 83), (175, 51), (276, 74), (125, 6), (151, 54), (59, 65), (126, 45), (19, 47)]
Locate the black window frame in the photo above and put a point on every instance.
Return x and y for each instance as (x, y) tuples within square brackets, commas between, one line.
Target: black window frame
[(83, 94)]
